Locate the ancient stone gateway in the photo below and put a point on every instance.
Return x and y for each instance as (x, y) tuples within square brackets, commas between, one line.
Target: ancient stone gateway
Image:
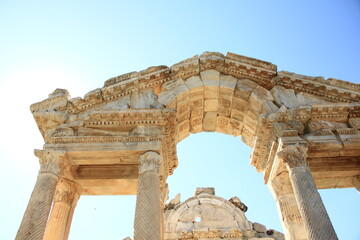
[(121, 139)]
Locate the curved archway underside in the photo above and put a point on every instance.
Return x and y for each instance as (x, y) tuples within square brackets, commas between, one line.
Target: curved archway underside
[(105, 132)]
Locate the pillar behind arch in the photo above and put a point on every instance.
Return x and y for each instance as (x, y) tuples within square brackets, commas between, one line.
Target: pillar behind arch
[(147, 213)]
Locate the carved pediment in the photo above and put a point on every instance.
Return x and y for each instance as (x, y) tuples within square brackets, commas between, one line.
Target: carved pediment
[(231, 94)]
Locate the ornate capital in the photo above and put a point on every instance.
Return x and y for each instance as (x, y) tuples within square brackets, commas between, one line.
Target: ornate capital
[(293, 155), (53, 161), (66, 191), (149, 161)]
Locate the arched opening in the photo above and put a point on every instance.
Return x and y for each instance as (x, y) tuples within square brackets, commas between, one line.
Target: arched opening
[(222, 161), (273, 112)]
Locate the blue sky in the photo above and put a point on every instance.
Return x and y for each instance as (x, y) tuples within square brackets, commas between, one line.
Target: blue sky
[(78, 45)]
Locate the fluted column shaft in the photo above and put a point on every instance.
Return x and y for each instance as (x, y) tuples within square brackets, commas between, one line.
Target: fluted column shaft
[(312, 210), (34, 221), (66, 196), (147, 214)]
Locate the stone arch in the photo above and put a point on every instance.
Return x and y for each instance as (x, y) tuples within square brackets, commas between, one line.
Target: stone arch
[(105, 133)]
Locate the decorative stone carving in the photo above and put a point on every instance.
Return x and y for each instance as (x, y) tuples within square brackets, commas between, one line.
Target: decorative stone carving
[(294, 155), (206, 216), (60, 132), (149, 161), (66, 191), (53, 161), (152, 110)]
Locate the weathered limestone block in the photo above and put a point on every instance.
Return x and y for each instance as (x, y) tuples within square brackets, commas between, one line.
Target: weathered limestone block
[(209, 123), (144, 99), (323, 143), (283, 96), (183, 109), (211, 60), (59, 132), (211, 105), (244, 88), (185, 68), (307, 99), (259, 96), (210, 191), (222, 125), (259, 227), (167, 97), (196, 120), (194, 83), (183, 129), (211, 80), (350, 138), (122, 103), (224, 107), (319, 125), (57, 100), (239, 104), (228, 82), (149, 130), (269, 107)]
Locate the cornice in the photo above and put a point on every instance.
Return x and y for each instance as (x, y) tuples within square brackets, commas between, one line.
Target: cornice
[(262, 72)]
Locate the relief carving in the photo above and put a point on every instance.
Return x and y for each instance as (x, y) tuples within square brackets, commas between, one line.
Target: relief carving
[(149, 161), (53, 161), (66, 191), (293, 155), (60, 132)]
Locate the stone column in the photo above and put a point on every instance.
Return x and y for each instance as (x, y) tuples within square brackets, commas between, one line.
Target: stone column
[(66, 196), (312, 210), (291, 220), (147, 214), (34, 221)]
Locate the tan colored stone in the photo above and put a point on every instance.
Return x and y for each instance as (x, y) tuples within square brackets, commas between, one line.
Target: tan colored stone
[(209, 123), (105, 133), (211, 105)]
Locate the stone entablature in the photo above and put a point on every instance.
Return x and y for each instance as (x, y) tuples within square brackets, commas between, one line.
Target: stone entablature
[(104, 135), (234, 95), (206, 216)]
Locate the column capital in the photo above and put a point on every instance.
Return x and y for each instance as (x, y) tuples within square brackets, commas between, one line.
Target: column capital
[(149, 161), (53, 161), (66, 191), (294, 155)]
